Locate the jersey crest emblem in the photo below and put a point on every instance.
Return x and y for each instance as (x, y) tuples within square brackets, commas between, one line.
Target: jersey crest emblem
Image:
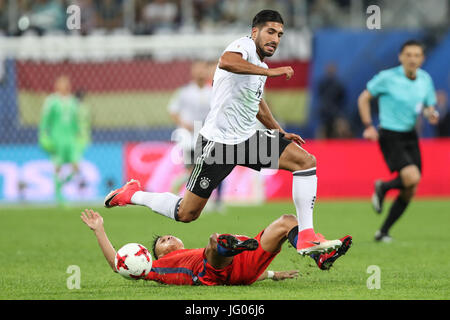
[(204, 183)]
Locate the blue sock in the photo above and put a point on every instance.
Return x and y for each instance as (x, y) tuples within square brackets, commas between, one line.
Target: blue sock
[(226, 252), (293, 236)]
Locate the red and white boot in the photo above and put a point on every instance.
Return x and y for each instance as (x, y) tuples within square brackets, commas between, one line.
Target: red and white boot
[(325, 261), (310, 243), (122, 196)]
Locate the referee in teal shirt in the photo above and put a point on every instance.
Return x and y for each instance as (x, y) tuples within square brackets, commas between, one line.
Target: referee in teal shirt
[(403, 93)]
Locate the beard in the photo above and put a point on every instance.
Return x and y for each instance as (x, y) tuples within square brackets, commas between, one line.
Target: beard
[(261, 45), (263, 52)]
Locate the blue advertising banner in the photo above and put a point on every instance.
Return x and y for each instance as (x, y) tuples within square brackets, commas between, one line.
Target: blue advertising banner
[(27, 174)]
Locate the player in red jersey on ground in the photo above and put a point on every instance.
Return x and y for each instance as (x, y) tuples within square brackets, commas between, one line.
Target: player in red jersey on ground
[(226, 260)]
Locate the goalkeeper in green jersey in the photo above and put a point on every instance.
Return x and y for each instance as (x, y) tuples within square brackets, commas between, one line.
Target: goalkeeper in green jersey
[(63, 132)]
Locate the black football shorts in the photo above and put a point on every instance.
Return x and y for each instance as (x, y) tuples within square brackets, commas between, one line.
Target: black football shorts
[(214, 161), (400, 149)]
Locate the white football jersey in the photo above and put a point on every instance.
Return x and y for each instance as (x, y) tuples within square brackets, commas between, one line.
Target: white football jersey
[(235, 99)]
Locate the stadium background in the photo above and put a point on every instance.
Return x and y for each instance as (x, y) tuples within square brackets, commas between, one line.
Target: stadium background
[(128, 66)]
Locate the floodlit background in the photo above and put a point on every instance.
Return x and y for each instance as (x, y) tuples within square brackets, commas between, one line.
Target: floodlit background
[(128, 58)]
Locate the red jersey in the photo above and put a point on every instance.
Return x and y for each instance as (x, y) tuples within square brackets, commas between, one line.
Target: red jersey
[(190, 267), (179, 267)]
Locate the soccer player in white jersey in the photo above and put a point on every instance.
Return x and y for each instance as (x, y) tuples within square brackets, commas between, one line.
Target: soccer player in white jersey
[(229, 134)]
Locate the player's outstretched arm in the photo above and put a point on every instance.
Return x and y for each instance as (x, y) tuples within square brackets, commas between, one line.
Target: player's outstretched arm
[(278, 275), (95, 222), (233, 62), (266, 118)]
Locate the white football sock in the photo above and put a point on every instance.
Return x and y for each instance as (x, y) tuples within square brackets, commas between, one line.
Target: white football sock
[(163, 203), (304, 190)]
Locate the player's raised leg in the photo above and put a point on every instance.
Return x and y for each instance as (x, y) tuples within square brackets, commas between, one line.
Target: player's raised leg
[(203, 180), (223, 247), (304, 189), (277, 233), (286, 228), (167, 204)]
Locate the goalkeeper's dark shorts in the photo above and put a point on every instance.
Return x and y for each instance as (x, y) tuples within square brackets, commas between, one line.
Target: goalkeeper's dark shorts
[(400, 149), (214, 161)]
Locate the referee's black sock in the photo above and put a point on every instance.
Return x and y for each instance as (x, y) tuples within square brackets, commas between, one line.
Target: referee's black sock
[(395, 183), (396, 210)]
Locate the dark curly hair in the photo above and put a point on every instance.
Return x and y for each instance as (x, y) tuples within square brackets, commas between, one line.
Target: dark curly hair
[(155, 240), (266, 16)]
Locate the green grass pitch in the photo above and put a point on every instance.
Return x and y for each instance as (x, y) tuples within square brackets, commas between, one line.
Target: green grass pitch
[(39, 244)]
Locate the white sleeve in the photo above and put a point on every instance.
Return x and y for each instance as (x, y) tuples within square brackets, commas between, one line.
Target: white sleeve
[(244, 46)]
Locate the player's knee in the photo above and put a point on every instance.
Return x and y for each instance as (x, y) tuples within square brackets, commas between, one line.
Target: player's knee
[(287, 222), (312, 161), (411, 178), (187, 215), (307, 161), (213, 241), (415, 179)]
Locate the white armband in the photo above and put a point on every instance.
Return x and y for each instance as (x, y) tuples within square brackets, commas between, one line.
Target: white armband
[(270, 274)]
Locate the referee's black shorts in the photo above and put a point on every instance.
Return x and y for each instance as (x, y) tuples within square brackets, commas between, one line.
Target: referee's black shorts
[(214, 161), (400, 149)]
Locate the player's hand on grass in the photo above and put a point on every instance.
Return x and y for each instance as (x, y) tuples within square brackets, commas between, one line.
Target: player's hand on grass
[(370, 133), (276, 72), (295, 138), (282, 275), (92, 219)]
